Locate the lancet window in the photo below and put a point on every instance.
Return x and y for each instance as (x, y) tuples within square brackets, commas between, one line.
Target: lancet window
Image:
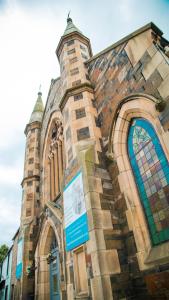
[(56, 159), (151, 171)]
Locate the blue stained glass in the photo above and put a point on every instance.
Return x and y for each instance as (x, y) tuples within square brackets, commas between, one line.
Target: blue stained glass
[(151, 172)]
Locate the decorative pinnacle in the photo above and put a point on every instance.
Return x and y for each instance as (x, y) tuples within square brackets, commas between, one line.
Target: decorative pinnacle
[(68, 18), (40, 93)]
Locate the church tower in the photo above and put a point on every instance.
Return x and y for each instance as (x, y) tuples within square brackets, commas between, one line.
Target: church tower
[(79, 115), (84, 169), (30, 201)]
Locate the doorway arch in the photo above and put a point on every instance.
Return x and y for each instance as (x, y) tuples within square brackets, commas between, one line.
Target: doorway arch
[(48, 263)]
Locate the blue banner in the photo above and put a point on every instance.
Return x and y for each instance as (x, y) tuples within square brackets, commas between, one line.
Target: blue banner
[(75, 216), (19, 260), (19, 271), (77, 233)]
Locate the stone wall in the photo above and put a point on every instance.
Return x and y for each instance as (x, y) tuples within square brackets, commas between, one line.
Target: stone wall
[(135, 66)]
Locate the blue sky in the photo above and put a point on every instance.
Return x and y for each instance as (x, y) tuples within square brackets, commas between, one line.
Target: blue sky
[(30, 31)]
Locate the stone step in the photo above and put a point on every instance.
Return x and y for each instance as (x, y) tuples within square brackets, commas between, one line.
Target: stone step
[(107, 184), (107, 197), (107, 204), (113, 233), (107, 191), (102, 173)]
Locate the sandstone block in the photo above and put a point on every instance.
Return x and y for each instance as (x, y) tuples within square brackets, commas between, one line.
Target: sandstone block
[(164, 88), (96, 288)]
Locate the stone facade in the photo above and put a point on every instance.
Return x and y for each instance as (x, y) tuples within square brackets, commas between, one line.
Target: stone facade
[(84, 128)]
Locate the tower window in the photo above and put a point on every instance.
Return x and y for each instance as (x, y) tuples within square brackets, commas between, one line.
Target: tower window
[(77, 82), (29, 197), (74, 71), (80, 113), (83, 133), (84, 56), (78, 97), (29, 183), (30, 173), (31, 149), (37, 166), (73, 60), (28, 212), (71, 51), (31, 160), (83, 48), (87, 77), (71, 42)]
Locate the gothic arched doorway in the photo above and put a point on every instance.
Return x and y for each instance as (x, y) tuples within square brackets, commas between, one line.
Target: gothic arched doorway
[(54, 271), (47, 257)]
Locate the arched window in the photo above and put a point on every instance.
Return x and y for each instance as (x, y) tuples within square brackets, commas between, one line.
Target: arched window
[(55, 157), (151, 172)]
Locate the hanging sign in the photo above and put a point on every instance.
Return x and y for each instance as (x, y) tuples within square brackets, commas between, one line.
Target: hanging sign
[(75, 216), (19, 259)]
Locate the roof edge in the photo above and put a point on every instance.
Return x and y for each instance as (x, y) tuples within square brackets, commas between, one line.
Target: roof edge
[(150, 25)]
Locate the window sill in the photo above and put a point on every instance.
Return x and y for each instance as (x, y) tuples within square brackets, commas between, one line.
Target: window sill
[(158, 254), (82, 295)]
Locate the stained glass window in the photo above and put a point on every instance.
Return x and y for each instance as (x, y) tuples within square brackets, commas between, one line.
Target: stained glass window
[(151, 171)]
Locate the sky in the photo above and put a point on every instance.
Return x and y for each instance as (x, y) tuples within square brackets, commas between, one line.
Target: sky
[(29, 34)]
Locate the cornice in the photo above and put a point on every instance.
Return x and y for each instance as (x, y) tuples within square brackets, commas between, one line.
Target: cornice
[(86, 86), (26, 179), (32, 125)]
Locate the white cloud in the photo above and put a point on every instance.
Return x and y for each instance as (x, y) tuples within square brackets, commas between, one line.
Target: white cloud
[(126, 10), (9, 219), (10, 175)]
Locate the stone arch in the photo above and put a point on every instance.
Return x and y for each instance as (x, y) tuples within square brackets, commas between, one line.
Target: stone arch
[(134, 106), (42, 277), (46, 235)]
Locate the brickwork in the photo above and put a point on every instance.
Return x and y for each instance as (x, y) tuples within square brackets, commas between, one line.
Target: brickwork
[(115, 77)]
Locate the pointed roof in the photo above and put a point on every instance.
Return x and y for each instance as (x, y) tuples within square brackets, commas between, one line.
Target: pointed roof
[(38, 110), (70, 27), (71, 30)]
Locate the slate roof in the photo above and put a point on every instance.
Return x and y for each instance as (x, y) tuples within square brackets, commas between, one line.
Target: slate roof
[(70, 27), (38, 110)]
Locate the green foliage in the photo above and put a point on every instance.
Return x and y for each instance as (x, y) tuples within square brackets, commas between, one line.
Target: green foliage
[(3, 251)]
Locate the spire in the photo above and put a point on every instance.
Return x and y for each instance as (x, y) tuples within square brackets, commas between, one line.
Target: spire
[(38, 110), (70, 27)]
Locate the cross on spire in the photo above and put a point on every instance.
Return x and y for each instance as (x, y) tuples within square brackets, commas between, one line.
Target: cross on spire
[(40, 93), (68, 17)]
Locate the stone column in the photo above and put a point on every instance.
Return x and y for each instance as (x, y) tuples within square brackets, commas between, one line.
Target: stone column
[(52, 177), (56, 171), (60, 163)]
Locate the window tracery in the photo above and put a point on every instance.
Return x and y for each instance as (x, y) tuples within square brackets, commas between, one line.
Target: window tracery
[(55, 157), (151, 172)]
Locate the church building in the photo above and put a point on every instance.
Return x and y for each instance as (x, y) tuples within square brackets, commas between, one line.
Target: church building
[(95, 207)]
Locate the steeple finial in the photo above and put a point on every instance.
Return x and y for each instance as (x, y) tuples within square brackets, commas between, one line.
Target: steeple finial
[(68, 18), (70, 28), (40, 93), (38, 110)]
